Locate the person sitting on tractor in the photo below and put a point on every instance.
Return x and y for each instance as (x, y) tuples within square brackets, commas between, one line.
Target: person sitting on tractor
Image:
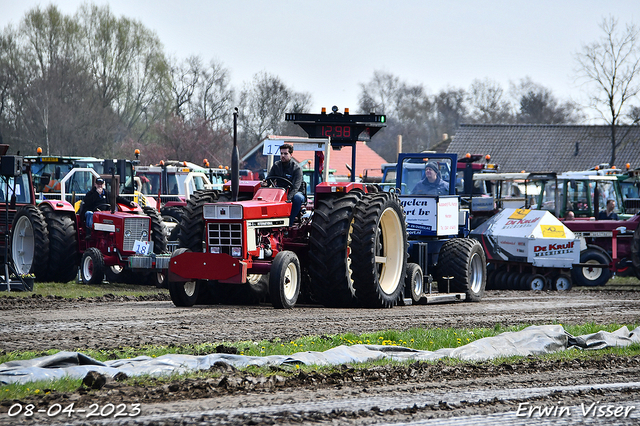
[(432, 184), (291, 171), (98, 199), (609, 214)]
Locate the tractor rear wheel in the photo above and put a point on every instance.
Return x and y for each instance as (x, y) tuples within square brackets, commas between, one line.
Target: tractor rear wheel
[(29, 243), (92, 266), (284, 280), (592, 275), (379, 247), (463, 260), (173, 216), (330, 250), (63, 247), (635, 251), (192, 224), (158, 230)]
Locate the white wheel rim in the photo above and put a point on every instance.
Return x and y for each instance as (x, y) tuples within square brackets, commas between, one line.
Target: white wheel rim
[(87, 268), (591, 273), (476, 273), (418, 285), (537, 284), (290, 283), (389, 261), (189, 288), (23, 245), (562, 283)]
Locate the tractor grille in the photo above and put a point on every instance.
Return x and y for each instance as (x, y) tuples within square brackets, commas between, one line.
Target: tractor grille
[(224, 235), (133, 230)]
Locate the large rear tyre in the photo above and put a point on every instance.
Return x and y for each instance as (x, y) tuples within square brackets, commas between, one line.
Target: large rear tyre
[(592, 275), (63, 247), (464, 260), (284, 280), (635, 251), (330, 250), (379, 247), (29, 243), (191, 234), (172, 216), (158, 230), (92, 266)]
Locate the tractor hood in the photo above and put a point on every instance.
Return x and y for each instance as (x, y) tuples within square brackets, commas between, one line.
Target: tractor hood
[(531, 236)]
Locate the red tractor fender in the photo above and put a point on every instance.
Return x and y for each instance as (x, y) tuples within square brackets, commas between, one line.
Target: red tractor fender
[(58, 206)]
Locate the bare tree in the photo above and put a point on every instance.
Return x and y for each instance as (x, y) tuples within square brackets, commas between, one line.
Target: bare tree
[(262, 106), (537, 105), (488, 103), (610, 68)]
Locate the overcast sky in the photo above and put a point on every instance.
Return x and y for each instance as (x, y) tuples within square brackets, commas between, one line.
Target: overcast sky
[(328, 48)]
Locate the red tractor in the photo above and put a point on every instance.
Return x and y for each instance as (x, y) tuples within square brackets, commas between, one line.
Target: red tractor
[(352, 249), (126, 243)]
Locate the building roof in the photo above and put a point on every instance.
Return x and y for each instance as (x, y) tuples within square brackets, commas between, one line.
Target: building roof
[(541, 147), (366, 159)]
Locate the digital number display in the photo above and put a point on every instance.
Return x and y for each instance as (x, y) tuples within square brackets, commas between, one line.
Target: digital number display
[(336, 132)]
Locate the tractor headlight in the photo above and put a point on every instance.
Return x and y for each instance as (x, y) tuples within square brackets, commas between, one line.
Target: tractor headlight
[(236, 251), (222, 211), (145, 234), (127, 233), (214, 249)]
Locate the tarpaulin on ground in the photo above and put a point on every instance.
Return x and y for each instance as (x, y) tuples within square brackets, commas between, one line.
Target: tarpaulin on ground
[(534, 340)]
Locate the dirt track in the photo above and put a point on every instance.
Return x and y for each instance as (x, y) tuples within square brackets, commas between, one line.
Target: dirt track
[(40, 324)]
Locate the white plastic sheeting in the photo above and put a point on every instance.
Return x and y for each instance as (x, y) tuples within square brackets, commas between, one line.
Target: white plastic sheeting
[(534, 340)]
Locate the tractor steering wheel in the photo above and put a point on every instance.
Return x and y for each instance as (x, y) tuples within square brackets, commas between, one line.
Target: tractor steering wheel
[(103, 207), (271, 181)]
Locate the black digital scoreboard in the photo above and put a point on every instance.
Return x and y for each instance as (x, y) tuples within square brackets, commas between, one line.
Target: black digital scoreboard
[(342, 128)]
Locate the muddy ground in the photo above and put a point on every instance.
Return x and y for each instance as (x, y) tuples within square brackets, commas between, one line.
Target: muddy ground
[(350, 396)]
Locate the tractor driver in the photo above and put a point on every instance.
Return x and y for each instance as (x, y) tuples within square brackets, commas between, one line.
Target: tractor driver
[(99, 196), (432, 184), (291, 171)]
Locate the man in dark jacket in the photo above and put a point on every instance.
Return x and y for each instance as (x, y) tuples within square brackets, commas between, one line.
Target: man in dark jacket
[(290, 170), (98, 196), (432, 184)]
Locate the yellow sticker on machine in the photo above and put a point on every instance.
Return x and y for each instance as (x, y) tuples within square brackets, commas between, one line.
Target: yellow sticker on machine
[(519, 214), (553, 231)]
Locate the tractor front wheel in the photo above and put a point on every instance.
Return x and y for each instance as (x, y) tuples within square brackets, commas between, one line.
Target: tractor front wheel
[(284, 280), (462, 262), (92, 266)]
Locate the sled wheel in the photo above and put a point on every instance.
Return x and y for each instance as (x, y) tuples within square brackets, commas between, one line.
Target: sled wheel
[(379, 250), (561, 282), (464, 260), (92, 266), (537, 282), (588, 275), (414, 282), (284, 280)]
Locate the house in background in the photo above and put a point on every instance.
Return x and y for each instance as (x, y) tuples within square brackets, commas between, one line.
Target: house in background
[(368, 162), (541, 147)]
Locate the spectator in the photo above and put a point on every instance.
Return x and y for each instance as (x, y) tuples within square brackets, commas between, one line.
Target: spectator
[(569, 215), (432, 184), (609, 214)]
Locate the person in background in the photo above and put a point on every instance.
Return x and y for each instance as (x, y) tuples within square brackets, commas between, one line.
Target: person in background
[(99, 196), (609, 214), (569, 215), (291, 171), (432, 184)]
